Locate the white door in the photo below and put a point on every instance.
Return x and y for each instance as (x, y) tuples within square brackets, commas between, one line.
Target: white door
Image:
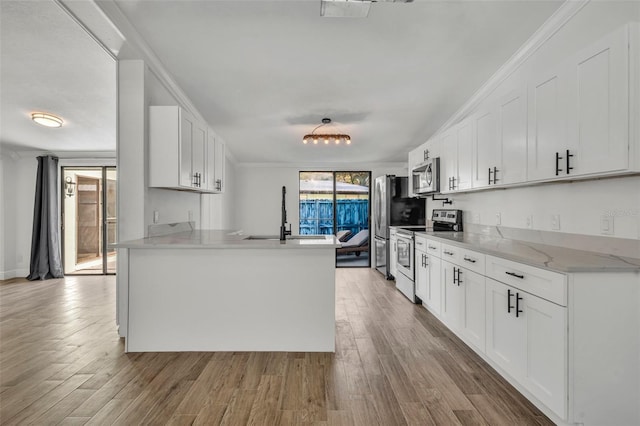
[(422, 275), (545, 324), (599, 108), (219, 170), (199, 154), (449, 161), (453, 297), (186, 137), (465, 154), (473, 321), (486, 151), (547, 129), (505, 336), (434, 284), (512, 131)]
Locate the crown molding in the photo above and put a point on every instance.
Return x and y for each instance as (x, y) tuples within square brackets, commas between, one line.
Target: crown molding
[(551, 26)]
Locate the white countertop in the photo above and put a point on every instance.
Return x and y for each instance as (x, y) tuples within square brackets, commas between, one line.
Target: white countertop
[(223, 239), (549, 257)]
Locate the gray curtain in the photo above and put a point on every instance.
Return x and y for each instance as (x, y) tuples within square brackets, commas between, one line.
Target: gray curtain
[(46, 261)]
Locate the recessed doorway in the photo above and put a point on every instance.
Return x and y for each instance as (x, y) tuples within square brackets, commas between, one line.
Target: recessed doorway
[(89, 220)]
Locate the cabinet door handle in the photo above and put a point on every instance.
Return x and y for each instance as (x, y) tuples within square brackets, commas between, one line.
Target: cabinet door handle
[(568, 167), (489, 175), (513, 274), (558, 158), (518, 310), (469, 259), (454, 274), (459, 280), (509, 307), (448, 253), (495, 175), (453, 182)]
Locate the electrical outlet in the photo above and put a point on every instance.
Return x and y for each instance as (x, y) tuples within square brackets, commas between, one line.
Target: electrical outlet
[(555, 222), (156, 216), (498, 218), (606, 225), (529, 221)]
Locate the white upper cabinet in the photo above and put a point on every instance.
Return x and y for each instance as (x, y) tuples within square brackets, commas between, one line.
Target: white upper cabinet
[(177, 149), (486, 148), (598, 113), (182, 151), (579, 113), (512, 137), (449, 161), (215, 163), (547, 123), (464, 134)]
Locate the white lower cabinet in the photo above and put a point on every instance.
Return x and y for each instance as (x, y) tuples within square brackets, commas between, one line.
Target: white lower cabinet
[(473, 320), (527, 337), (452, 296), (422, 275), (433, 299)]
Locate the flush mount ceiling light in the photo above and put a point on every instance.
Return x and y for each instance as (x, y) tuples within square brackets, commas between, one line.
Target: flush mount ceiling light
[(326, 138), (46, 120)]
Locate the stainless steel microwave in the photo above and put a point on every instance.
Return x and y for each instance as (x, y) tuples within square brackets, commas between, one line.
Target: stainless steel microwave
[(426, 177)]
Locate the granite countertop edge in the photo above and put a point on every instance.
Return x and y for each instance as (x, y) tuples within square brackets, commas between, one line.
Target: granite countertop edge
[(552, 258), (215, 239)]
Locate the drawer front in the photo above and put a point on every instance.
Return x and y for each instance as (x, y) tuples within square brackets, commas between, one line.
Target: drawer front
[(465, 258), (548, 285), (421, 243), (434, 248)]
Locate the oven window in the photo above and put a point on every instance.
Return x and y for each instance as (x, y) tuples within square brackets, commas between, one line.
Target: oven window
[(404, 253)]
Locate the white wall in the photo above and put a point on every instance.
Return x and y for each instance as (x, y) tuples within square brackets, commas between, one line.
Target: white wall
[(259, 189), (580, 204)]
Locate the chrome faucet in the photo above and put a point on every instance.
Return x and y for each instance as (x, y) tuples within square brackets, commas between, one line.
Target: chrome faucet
[(283, 227)]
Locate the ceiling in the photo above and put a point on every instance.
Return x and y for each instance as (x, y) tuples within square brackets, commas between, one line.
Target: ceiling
[(48, 63), (264, 73)]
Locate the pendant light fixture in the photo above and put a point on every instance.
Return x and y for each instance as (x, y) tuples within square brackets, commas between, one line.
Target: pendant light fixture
[(47, 120), (326, 138)]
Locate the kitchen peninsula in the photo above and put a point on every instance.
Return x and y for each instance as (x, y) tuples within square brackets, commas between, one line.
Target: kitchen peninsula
[(220, 291)]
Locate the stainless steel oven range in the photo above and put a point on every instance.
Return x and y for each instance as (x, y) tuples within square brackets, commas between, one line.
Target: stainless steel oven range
[(444, 220)]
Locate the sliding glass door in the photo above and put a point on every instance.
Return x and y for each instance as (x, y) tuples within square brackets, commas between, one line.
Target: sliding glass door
[(89, 220), (338, 203)]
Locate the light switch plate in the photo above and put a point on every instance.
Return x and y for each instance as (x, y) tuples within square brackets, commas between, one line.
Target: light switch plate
[(606, 225), (555, 222)]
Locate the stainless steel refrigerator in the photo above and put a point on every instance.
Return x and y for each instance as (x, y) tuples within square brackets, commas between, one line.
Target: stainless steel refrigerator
[(393, 207)]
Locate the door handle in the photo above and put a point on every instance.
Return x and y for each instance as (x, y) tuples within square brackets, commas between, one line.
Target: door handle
[(518, 310), (568, 157), (509, 307), (558, 158)]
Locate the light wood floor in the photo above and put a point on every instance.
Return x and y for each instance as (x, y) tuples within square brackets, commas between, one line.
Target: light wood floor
[(395, 364)]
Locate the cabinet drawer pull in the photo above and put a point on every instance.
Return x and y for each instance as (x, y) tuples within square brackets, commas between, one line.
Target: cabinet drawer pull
[(432, 247), (513, 274), (518, 310), (469, 259), (448, 253)]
